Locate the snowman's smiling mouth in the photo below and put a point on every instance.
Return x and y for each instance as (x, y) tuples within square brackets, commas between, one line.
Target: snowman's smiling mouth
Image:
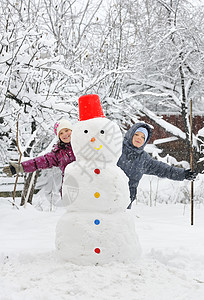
[(98, 148)]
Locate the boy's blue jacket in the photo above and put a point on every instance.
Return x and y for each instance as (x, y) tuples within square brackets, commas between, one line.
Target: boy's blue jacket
[(135, 162)]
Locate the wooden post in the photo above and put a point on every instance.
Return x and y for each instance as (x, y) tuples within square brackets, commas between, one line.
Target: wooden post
[(19, 161), (191, 161)]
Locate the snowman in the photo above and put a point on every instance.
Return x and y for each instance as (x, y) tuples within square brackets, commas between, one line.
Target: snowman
[(97, 228)]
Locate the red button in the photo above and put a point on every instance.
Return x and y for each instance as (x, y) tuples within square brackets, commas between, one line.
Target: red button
[(97, 250), (97, 171)]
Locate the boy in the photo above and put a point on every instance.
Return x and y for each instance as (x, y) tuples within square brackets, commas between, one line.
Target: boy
[(135, 162)]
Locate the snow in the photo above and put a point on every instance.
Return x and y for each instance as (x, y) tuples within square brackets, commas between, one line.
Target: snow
[(165, 140), (201, 132), (171, 266)]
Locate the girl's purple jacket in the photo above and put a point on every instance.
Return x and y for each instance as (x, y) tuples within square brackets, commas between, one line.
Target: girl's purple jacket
[(60, 156)]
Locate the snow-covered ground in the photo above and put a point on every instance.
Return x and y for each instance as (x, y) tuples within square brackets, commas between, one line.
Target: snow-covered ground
[(171, 266)]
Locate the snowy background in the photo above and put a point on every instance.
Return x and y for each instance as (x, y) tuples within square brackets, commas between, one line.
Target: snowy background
[(171, 266), (142, 58)]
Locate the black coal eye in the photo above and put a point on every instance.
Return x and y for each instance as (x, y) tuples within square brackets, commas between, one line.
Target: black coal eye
[(102, 131), (85, 131)]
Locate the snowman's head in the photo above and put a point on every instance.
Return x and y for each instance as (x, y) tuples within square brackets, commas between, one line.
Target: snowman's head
[(97, 139)]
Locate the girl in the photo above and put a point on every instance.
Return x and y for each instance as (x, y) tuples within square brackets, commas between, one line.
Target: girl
[(60, 156), (135, 162)]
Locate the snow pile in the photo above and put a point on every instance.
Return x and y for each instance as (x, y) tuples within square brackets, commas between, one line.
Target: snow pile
[(171, 266), (153, 190)]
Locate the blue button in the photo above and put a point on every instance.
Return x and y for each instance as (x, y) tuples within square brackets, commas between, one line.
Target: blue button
[(97, 222)]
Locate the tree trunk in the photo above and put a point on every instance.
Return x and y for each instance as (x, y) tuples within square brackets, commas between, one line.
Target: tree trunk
[(27, 184)]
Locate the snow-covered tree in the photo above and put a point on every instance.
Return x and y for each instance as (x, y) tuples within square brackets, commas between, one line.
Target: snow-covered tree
[(139, 56)]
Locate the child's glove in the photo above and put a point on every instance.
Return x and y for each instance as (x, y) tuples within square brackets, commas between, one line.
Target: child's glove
[(13, 168), (190, 175)]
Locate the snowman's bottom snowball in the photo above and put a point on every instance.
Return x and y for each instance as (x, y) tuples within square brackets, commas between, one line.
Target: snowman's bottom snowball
[(95, 238)]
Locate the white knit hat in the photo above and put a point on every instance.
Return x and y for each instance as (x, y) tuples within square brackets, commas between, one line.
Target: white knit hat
[(63, 123)]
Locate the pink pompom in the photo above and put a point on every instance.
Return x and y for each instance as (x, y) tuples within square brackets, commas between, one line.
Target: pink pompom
[(55, 127)]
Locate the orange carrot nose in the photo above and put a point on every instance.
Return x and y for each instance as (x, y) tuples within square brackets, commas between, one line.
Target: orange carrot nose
[(93, 139)]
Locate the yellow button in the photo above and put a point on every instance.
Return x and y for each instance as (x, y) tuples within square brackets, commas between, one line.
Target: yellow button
[(97, 195)]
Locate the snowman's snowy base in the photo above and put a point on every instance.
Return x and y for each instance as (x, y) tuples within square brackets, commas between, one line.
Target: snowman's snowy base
[(96, 239)]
